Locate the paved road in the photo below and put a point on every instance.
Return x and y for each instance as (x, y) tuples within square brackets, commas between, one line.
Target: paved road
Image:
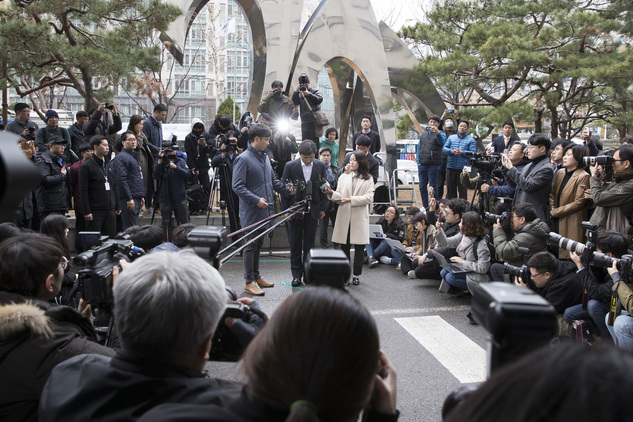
[(424, 332)]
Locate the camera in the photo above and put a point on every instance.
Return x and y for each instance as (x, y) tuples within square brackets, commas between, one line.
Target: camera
[(327, 267), (230, 142), (95, 280), (483, 162), (600, 160), (31, 130), (523, 272), (324, 184), (606, 160), (276, 92), (556, 239), (109, 106), (506, 221), (451, 110)]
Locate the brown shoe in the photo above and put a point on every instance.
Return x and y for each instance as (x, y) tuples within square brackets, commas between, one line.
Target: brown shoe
[(253, 289), (263, 283)]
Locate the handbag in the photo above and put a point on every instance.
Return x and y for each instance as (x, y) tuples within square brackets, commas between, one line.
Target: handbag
[(320, 118)]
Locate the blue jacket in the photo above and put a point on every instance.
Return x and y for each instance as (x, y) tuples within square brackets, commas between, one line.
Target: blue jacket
[(177, 178), (465, 143), (153, 129), (129, 179), (253, 178)]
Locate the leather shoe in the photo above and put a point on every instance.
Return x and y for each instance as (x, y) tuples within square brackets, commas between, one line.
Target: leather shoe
[(355, 281), (253, 289), (463, 293), (296, 282), (263, 283)]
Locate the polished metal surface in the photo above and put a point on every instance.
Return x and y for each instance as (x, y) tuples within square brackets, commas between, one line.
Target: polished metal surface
[(367, 63)]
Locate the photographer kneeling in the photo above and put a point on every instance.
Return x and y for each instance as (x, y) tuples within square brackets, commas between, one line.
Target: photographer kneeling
[(598, 283), (622, 328), (35, 334), (554, 280), (167, 306), (527, 232)]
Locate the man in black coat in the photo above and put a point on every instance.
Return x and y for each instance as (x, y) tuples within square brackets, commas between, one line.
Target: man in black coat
[(302, 227), (129, 180), (505, 140), (98, 189), (309, 100), (365, 124), (363, 143), (52, 193), (199, 150)]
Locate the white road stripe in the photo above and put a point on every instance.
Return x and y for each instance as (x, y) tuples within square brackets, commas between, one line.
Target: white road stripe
[(421, 310), (456, 352)]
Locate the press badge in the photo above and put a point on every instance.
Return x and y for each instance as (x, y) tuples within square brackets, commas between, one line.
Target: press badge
[(107, 185)]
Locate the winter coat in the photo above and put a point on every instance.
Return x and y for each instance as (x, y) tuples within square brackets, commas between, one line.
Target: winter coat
[(98, 126), (533, 185), (564, 289), (531, 235), (176, 181), (479, 267), (129, 178), (153, 130), (198, 155), (352, 217), (430, 148), (34, 337), (571, 209), (92, 178), (616, 194), (51, 194), (465, 143)]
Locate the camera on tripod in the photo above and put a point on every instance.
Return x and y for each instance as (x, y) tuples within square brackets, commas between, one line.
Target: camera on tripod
[(482, 162), (229, 142), (169, 152)]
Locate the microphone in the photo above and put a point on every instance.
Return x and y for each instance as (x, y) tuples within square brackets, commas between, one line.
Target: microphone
[(308, 196)]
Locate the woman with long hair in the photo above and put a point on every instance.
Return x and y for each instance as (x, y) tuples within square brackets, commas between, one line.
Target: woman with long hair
[(568, 206), (55, 226), (379, 249), (145, 156), (331, 372), (354, 194), (476, 261)]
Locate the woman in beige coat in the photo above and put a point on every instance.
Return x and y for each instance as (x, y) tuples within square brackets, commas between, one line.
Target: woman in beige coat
[(568, 205), (354, 194)]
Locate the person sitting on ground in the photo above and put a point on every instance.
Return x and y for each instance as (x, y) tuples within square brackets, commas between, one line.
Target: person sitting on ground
[(167, 307), (379, 249), (556, 281), (35, 334), (427, 240), (472, 253), (329, 373)]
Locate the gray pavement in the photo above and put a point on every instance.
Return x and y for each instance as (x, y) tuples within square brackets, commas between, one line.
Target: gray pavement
[(424, 332)]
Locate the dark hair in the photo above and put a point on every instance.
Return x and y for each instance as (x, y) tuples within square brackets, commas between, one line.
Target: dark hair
[(472, 225), (363, 164), (54, 226), (223, 120), (307, 147), (508, 123), (566, 382), (539, 139), (543, 261), (457, 206), (419, 218), (180, 233), (330, 130), (396, 220), (26, 261), (366, 116), (411, 211), (436, 118), (18, 107), (626, 153), (628, 140), (611, 241), (160, 107), (127, 132), (8, 230), (526, 210), (331, 366), (363, 140), (96, 140), (148, 237), (325, 149), (516, 142), (577, 151), (81, 113), (135, 119), (464, 121), (277, 84), (258, 130), (561, 141)]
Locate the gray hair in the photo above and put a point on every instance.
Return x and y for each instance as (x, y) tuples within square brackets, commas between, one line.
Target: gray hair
[(166, 304)]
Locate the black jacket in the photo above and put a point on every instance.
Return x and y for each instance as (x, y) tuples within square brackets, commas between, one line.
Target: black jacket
[(52, 193), (27, 356), (315, 100), (124, 387), (92, 187), (294, 171), (430, 149), (96, 126), (564, 289), (375, 140)]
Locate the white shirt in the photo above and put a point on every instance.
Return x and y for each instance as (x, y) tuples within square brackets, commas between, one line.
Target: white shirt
[(307, 170)]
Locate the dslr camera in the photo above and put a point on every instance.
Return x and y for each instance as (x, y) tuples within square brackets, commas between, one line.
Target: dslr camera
[(109, 106), (505, 218), (303, 82), (223, 139)]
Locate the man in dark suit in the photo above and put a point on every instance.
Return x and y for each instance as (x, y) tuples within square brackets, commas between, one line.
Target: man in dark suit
[(302, 227), (365, 124), (505, 140), (363, 143)]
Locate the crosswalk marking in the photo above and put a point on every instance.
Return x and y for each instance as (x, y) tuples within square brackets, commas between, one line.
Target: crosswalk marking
[(434, 310), (455, 351)]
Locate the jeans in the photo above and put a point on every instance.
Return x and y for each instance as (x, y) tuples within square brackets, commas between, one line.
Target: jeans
[(378, 248), (622, 330), (129, 218), (428, 174), (181, 211), (594, 313), (455, 280)]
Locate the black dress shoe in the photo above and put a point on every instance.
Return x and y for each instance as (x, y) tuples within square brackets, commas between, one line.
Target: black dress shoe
[(463, 293), (355, 281), (471, 319), (296, 282)]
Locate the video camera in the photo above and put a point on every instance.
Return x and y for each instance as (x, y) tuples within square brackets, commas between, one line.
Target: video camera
[(482, 162), (327, 267), (505, 218), (95, 280), (168, 151), (223, 139)]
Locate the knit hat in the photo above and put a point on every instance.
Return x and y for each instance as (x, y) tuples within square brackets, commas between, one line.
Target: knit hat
[(49, 114)]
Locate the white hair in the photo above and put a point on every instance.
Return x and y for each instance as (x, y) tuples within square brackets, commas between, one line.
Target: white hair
[(166, 304)]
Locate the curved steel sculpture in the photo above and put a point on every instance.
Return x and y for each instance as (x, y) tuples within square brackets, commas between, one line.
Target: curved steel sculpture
[(367, 63)]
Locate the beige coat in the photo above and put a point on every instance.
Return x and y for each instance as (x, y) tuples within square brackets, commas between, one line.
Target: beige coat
[(356, 211), (572, 209)]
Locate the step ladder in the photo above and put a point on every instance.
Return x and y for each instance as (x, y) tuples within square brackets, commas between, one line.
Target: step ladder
[(408, 185)]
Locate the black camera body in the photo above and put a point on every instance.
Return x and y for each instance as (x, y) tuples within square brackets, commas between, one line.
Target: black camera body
[(223, 139), (95, 280), (599, 160), (483, 162), (505, 218), (327, 267), (522, 271), (109, 106)]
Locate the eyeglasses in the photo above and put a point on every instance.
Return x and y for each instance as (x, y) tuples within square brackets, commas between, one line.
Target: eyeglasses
[(64, 263), (538, 274)]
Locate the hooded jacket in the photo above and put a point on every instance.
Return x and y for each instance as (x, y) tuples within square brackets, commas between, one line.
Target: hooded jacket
[(198, 155)]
